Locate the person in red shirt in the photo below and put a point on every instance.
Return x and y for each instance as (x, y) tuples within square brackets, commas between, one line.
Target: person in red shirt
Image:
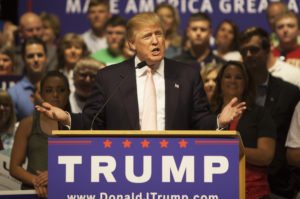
[(287, 29)]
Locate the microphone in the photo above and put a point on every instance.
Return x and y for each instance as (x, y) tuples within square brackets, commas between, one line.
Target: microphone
[(140, 65)]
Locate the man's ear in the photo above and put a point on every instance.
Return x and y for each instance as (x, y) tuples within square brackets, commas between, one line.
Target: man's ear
[(131, 45)]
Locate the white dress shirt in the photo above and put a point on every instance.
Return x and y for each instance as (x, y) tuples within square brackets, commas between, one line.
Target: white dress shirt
[(286, 72), (293, 137), (159, 81)]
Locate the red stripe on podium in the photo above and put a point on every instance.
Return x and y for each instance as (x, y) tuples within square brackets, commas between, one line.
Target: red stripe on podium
[(70, 142), (216, 142)]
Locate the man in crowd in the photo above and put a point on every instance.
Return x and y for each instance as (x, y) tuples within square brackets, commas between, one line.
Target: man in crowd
[(115, 30), (147, 92), (287, 29), (98, 14), (34, 56), (31, 26), (278, 97), (274, 9), (84, 75), (199, 32)]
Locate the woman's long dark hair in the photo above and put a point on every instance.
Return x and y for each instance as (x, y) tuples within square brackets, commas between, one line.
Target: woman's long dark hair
[(61, 76), (248, 95)]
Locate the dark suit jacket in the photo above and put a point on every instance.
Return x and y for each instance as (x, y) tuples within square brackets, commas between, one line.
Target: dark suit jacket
[(281, 101), (186, 104)]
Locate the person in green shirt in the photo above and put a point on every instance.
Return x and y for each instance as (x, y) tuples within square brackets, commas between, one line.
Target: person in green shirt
[(115, 30)]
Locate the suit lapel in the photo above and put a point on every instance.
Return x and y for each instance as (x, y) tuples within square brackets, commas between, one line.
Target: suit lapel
[(129, 93), (272, 94), (172, 86)]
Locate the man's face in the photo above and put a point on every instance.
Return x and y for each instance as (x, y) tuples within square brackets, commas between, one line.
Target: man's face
[(254, 57), (149, 44), (35, 58), (32, 27), (273, 11), (83, 81), (199, 33), (114, 36), (287, 30), (98, 15)]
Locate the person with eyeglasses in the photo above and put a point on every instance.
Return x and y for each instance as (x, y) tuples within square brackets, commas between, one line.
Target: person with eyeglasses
[(278, 97), (35, 56), (115, 31), (85, 72)]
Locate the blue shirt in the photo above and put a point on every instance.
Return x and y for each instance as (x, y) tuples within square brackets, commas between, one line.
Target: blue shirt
[(20, 94)]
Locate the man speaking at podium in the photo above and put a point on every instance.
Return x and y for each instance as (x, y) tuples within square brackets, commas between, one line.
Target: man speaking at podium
[(147, 92)]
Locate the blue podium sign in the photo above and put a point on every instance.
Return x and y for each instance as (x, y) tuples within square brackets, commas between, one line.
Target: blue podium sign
[(143, 168)]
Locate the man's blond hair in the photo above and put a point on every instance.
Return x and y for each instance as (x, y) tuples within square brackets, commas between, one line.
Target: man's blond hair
[(288, 14), (142, 20)]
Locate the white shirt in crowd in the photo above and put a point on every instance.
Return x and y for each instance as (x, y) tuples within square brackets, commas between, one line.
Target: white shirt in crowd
[(286, 72), (293, 137), (93, 42)]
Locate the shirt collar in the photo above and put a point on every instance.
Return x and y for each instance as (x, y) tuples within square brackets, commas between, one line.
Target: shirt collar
[(141, 71), (26, 83), (265, 84)]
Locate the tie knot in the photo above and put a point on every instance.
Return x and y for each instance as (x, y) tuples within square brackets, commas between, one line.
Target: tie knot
[(149, 70)]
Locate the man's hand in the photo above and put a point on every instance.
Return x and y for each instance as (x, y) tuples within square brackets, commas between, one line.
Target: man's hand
[(232, 111), (54, 113)]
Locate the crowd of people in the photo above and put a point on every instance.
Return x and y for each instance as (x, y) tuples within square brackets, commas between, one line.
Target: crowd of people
[(256, 67)]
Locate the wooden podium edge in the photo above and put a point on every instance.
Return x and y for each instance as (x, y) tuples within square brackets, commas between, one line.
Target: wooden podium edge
[(176, 133), (137, 133)]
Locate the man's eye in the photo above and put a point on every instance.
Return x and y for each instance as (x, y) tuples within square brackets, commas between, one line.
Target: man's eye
[(30, 56)]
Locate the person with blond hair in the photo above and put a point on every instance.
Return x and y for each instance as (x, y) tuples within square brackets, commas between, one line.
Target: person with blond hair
[(171, 21), (7, 122), (148, 91), (287, 28)]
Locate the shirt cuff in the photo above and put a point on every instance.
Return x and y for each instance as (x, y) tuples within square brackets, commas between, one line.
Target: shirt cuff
[(218, 126), (68, 126)]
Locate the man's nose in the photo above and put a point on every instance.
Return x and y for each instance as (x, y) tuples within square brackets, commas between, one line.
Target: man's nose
[(154, 39), (35, 58)]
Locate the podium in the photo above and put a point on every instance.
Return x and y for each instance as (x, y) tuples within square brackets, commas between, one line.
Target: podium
[(146, 165)]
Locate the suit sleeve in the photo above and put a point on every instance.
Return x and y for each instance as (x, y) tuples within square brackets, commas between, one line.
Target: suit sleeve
[(94, 103), (202, 117)]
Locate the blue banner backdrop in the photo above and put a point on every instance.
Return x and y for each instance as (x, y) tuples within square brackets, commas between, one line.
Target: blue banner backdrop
[(143, 168), (245, 13)]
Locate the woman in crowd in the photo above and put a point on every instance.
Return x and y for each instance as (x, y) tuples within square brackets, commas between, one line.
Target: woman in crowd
[(171, 22), (227, 36), (51, 25), (85, 72), (7, 60), (256, 127), (32, 135), (7, 122), (70, 49), (209, 75)]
